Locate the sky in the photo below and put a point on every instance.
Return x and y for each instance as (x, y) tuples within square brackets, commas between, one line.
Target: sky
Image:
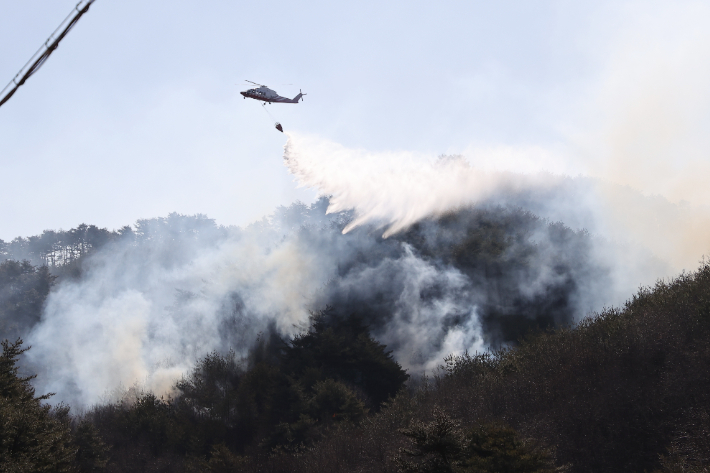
[(138, 113)]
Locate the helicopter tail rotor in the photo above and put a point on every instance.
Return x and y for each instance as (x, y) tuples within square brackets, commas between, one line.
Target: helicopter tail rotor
[(298, 98)]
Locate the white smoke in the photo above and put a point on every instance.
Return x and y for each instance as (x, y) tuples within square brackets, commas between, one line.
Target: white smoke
[(146, 314), (145, 317), (420, 322)]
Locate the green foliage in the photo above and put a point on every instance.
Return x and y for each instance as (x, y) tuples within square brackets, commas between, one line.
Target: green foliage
[(624, 390), (342, 349), (442, 446), (437, 446), (330, 402), (222, 460), (33, 437), (291, 436), (212, 386), (92, 452), (614, 392), (267, 397), (151, 420), (282, 398), (493, 448), (333, 400), (323, 376)]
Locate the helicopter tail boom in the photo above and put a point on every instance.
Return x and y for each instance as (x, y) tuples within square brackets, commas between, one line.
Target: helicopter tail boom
[(298, 98)]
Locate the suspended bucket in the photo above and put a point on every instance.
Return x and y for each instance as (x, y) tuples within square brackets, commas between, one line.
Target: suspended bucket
[(278, 127)]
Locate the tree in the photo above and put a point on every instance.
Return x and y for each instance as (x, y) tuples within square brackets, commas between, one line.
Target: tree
[(496, 448), (442, 446), (33, 436), (341, 348), (436, 446), (333, 400), (23, 290), (212, 385)]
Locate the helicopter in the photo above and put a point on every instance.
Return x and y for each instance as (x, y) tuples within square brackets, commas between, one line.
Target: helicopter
[(267, 95)]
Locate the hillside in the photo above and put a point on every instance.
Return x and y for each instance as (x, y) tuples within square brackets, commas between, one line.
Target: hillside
[(253, 384), (624, 390)]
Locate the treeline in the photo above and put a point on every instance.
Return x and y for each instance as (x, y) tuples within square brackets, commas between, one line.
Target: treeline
[(283, 397), (30, 267), (35, 436), (60, 248), (625, 390)]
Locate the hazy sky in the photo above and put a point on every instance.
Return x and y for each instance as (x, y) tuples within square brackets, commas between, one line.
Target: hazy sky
[(138, 112)]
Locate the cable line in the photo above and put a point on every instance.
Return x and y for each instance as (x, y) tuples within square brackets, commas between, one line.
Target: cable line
[(49, 46), (277, 125)]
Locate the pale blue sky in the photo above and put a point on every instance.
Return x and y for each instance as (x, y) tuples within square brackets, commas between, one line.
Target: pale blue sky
[(138, 112)]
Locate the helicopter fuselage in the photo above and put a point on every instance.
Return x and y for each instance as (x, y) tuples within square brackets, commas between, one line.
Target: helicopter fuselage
[(265, 94)]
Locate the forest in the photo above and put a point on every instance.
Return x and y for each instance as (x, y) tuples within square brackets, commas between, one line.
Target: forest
[(363, 381)]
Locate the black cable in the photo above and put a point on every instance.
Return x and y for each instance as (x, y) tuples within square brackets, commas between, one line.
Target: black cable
[(45, 55)]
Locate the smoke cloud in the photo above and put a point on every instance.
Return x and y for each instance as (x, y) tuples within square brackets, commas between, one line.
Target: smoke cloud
[(639, 239), (394, 241)]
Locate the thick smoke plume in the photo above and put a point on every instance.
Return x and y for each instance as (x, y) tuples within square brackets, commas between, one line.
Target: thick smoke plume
[(437, 255)]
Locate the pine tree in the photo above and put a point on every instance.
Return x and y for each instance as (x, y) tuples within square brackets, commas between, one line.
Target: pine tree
[(33, 436)]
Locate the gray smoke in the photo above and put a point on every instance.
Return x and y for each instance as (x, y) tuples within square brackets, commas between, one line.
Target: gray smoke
[(386, 244)]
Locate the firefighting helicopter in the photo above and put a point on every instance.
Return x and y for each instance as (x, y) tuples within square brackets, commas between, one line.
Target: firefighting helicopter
[(267, 95)]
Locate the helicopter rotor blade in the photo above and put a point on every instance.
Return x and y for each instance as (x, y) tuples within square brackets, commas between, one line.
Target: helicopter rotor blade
[(261, 85)]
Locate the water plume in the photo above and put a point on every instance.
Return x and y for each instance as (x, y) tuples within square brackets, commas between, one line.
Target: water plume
[(389, 189)]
